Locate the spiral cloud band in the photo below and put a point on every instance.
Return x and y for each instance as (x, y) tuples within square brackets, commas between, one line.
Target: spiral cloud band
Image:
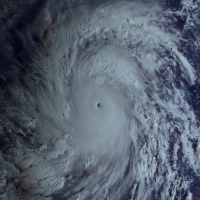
[(94, 103)]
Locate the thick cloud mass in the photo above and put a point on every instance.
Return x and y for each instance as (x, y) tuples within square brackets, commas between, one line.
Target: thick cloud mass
[(95, 102)]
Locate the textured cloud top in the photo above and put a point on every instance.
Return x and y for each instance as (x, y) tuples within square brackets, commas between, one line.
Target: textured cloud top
[(94, 103)]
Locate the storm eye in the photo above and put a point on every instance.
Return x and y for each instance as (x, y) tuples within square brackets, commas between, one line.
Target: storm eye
[(98, 105)]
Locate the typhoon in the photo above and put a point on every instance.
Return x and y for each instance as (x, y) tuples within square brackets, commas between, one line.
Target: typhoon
[(99, 100)]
